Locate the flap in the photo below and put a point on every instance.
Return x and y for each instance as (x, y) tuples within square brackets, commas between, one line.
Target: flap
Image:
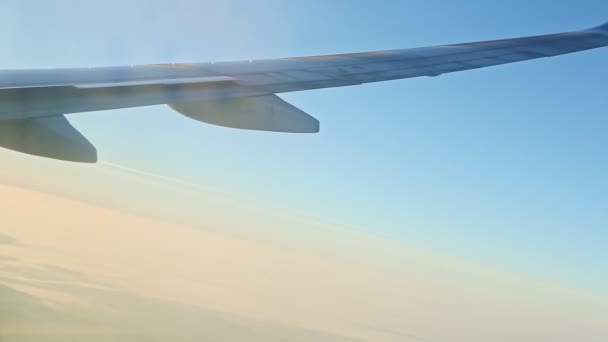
[(168, 81)]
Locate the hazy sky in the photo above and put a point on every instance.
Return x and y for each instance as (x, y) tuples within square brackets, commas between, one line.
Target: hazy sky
[(503, 168)]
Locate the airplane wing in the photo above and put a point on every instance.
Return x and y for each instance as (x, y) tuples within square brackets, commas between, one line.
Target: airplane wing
[(302, 73), (243, 94)]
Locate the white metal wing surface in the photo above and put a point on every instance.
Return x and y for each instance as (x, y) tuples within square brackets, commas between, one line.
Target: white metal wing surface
[(235, 94)]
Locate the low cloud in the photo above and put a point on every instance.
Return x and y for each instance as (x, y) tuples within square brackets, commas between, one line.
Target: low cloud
[(7, 240)]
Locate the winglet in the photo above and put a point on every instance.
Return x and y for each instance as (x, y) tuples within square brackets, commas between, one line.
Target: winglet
[(602, 28)]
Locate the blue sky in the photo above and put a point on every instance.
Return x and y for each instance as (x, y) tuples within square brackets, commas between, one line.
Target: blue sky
[(505, 166)]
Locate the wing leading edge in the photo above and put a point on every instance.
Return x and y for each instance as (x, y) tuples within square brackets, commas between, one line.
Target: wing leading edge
[(236, 94)]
